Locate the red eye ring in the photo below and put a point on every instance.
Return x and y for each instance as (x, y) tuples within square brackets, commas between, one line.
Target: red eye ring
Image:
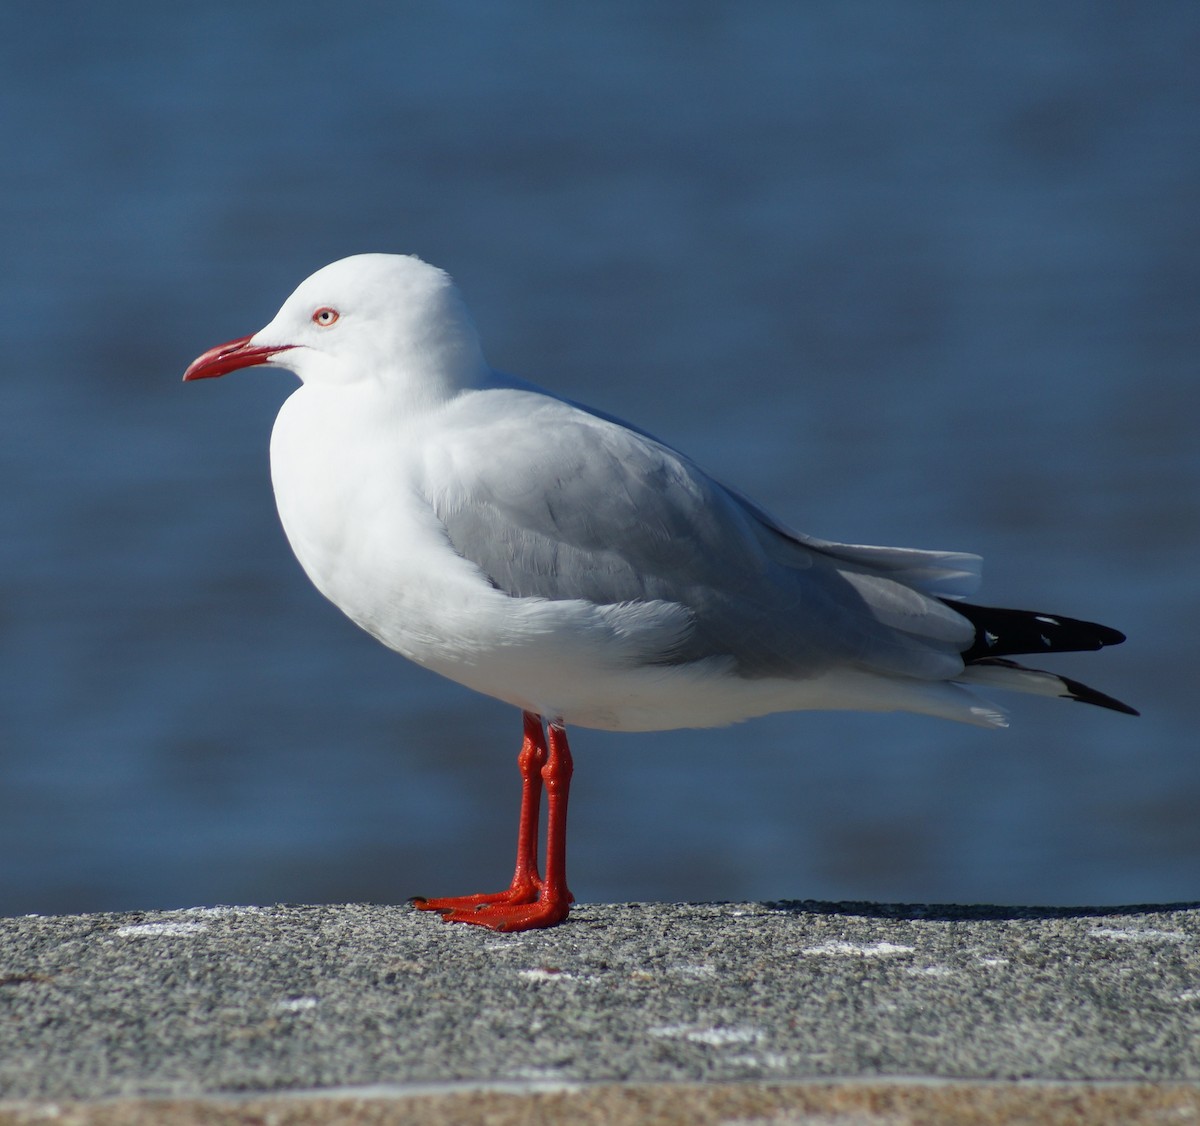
[(324, 317)]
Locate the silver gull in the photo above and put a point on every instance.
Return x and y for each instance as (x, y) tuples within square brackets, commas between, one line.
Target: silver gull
[(570, 564)]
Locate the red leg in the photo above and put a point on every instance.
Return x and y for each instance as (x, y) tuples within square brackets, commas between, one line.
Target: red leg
[(551, 898), (526, 883)]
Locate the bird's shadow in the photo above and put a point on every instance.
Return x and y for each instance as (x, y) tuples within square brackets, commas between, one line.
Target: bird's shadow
[(956, 912)]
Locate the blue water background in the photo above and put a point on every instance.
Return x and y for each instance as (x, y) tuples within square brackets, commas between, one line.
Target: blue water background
[(925, 274)]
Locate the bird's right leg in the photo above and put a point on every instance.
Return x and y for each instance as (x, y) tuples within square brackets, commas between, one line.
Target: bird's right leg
[(526, 882)]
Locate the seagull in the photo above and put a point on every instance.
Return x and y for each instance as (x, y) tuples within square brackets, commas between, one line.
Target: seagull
[(568, 563)]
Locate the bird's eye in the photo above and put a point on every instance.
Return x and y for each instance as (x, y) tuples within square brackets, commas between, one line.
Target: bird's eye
[(325, 316)]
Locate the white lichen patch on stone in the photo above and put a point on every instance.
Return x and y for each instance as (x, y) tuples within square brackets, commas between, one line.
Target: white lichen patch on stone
[(862, 950), (1134, 934), (714, 1037), (217, 912), (547, 973), (693, 971), (160, 930)]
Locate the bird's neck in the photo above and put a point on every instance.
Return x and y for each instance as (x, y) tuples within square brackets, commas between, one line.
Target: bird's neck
[(431, 369)]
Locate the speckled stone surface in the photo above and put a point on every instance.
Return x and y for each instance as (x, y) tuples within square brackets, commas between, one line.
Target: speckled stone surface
[(231, 1000)]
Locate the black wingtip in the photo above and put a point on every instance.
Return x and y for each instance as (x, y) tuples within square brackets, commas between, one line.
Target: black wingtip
[(1005, 633), (1082, 694), (1106, 635)]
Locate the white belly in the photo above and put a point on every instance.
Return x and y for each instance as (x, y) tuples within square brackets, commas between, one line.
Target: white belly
[(369, 540), (372, 545)]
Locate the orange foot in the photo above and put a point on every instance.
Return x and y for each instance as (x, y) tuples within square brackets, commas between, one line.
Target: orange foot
[(515, 909), (519, 892), (530, 901)]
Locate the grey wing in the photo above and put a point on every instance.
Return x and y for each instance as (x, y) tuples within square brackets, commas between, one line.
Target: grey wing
[(550, 501)]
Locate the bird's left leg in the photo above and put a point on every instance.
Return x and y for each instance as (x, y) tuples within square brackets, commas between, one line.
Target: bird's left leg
[(554, 898), (526, 882)]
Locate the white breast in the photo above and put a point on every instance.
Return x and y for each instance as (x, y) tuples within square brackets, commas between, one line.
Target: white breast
[(370, 542)]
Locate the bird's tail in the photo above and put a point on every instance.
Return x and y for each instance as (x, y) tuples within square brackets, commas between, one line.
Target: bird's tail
[(1001, 633)]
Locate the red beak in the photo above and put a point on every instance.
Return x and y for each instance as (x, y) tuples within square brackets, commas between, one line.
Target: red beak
[(229, 357)]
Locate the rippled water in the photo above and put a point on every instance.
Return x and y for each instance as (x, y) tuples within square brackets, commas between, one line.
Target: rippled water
[(906, 274)]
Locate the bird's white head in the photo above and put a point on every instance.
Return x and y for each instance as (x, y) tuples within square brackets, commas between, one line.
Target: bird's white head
[(390, 319)]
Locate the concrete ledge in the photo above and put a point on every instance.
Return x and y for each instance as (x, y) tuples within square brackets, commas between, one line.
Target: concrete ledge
[(642, 1005), (880, 1103)]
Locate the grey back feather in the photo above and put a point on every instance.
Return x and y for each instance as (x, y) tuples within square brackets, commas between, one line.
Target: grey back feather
[(578, 506)]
